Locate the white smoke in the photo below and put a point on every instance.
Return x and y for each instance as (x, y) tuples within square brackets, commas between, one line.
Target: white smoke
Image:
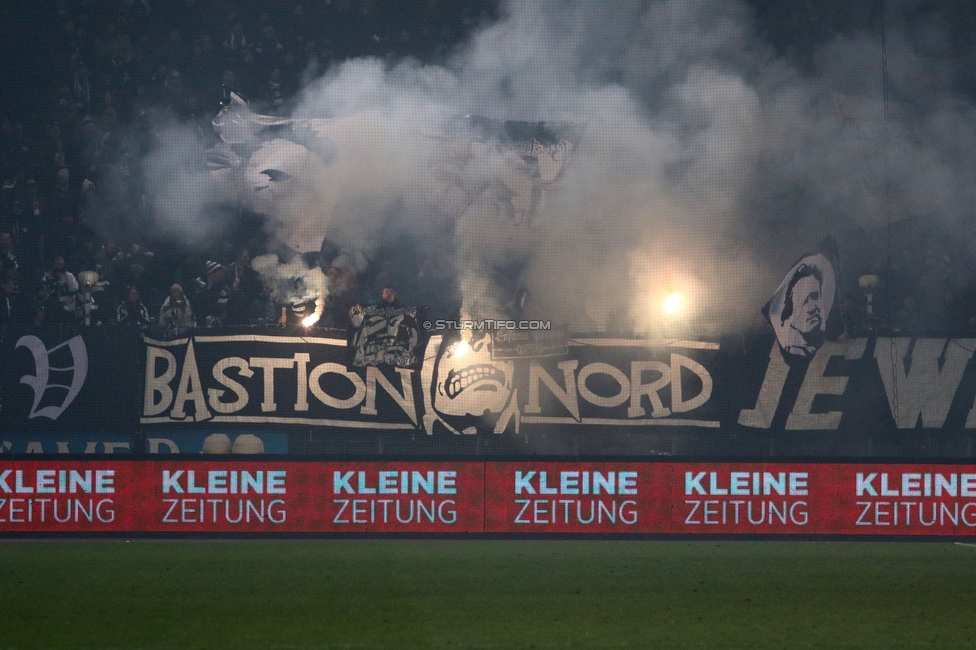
[(183, 194), (708, 164), (293, 282)]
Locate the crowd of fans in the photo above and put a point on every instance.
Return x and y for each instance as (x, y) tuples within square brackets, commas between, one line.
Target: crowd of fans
[(77, 243), (76, 238)]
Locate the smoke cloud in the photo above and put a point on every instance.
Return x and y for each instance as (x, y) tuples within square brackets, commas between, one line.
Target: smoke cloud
[(710, 159)]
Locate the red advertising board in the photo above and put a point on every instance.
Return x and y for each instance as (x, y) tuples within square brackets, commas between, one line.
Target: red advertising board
[(542, 497), (524, 497), (435, 497), (241, 497), (824, 499), (905, 499), (73, 496), (757, 498)]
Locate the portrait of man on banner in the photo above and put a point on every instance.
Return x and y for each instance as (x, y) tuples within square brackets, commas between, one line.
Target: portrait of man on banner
[(802, 303)]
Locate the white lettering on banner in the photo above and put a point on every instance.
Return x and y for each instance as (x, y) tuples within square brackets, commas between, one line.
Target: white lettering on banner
[(747, 483), (631, 389), (359, 387), (734, 510), (916, 513), (221, 511), (638, 389), (576, 511), (269, 365), (886, 511), (158, 384), (57, 481), (214, 395), (772, 389), (233, 395), (380, 509), (741, 512), (401, 511), (224, 482), (394, 482), (61, 511), (815, 382), (915, 484), (190, 390), (623, 394), (923, 385), (566, 396), (235, 383), (575, 482), (39, 382), (404, 398)]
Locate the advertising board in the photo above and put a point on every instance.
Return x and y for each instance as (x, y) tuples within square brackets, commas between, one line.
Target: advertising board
[(189, 496)]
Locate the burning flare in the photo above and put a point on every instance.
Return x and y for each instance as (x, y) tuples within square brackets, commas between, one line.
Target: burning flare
[(672, 304)]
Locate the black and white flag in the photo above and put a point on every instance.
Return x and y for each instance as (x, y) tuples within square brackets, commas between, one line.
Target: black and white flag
[(802, 304), (388, 335)]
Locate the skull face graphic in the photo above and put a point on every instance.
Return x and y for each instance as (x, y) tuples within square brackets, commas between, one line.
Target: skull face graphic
[(461, 383)]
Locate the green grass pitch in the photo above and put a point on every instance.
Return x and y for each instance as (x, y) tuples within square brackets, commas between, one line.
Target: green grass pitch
[(485, 594)]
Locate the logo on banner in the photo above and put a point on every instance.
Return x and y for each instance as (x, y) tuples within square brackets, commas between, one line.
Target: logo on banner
[(459, 385), (73, 355)]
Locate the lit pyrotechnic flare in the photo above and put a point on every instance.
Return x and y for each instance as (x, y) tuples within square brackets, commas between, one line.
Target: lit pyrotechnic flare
[(461, 349), (672, 304)]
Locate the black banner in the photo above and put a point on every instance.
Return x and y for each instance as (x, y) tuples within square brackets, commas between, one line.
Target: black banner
[(272, 379), (744, 395), (69, 378), (684, 395)]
